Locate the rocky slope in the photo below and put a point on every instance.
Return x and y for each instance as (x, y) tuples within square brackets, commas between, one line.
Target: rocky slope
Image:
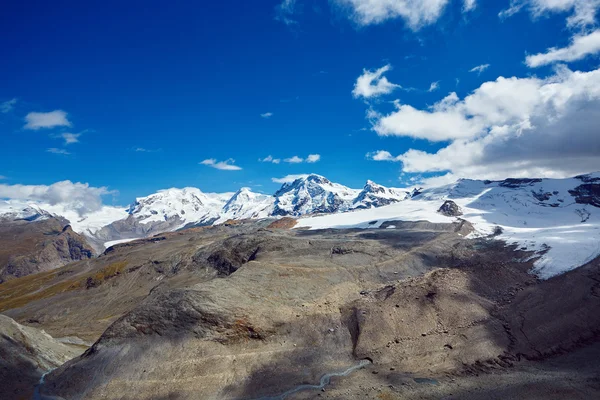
[(25, 354), (35, 241), (312, 194), (374, 195), (241, 311)]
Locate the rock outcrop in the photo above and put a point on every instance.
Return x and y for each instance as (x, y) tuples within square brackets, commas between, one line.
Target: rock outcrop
[(38, 245), (25, 354), (450, 209)]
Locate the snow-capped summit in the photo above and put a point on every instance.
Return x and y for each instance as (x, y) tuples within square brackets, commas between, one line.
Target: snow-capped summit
[(374, 195), (245, 204), (559, 219), (187, 205), (14, 210), (312, 194)]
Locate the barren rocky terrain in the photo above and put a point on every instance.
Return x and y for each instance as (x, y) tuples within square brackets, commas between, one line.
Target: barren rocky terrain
[(254, 310), (27, 247)]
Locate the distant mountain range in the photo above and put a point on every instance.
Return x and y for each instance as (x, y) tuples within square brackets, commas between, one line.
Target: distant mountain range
[(526, 210)]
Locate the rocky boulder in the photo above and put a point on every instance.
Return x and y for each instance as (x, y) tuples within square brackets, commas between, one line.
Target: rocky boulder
[(450, 209)]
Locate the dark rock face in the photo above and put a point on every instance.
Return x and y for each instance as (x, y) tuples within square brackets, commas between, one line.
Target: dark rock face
[(450, 209), (25, 354), (517, 183), (374, 195), (588, 193), (587, 178), (307, 195), (541, 196), (40, 245)]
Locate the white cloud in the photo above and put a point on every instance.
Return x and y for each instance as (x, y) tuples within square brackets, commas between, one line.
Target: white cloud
[(8, 106), (55, 150), (294, 160), (508, 127), (415, 13), (480, 68), (515, 7), (52, 119), (581, 46), (289, 178), (381, 155), (434, 86), (469, 5), (582, 13), (270, 159), (313, 158), (226, 165), (267, 115), (70, 138), (77, 196), (284, 12), (373, 83)]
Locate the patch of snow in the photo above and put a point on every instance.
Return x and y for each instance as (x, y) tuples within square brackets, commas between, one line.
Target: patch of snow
[(114, 242), (539, 215), (89, 223)]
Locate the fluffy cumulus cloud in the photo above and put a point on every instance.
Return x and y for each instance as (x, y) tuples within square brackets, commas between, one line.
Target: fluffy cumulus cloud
[(266, 115), (227, 165), (40, 120), (382, 155), (508, 127), (581, 46), (7, 106), (313, 158), (415, 13), (373, 83), (581, 13), (289, 178), (77, 196)]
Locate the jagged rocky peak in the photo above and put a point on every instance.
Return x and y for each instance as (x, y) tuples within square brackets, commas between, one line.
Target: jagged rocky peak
[(168, 198), (312, 194), (243, 194), (373, 187), (27, 213), (450, 209), (246, 204), (312, 180), (375, 195)]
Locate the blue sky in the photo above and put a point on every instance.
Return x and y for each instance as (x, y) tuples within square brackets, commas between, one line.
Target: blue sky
[(148, 91)]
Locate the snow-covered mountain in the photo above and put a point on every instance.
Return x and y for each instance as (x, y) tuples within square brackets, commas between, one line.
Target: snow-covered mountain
[(313, 194), (87, 223), (245, 204), (181, 206), (559, 219), (374, 195), (14, 210)]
